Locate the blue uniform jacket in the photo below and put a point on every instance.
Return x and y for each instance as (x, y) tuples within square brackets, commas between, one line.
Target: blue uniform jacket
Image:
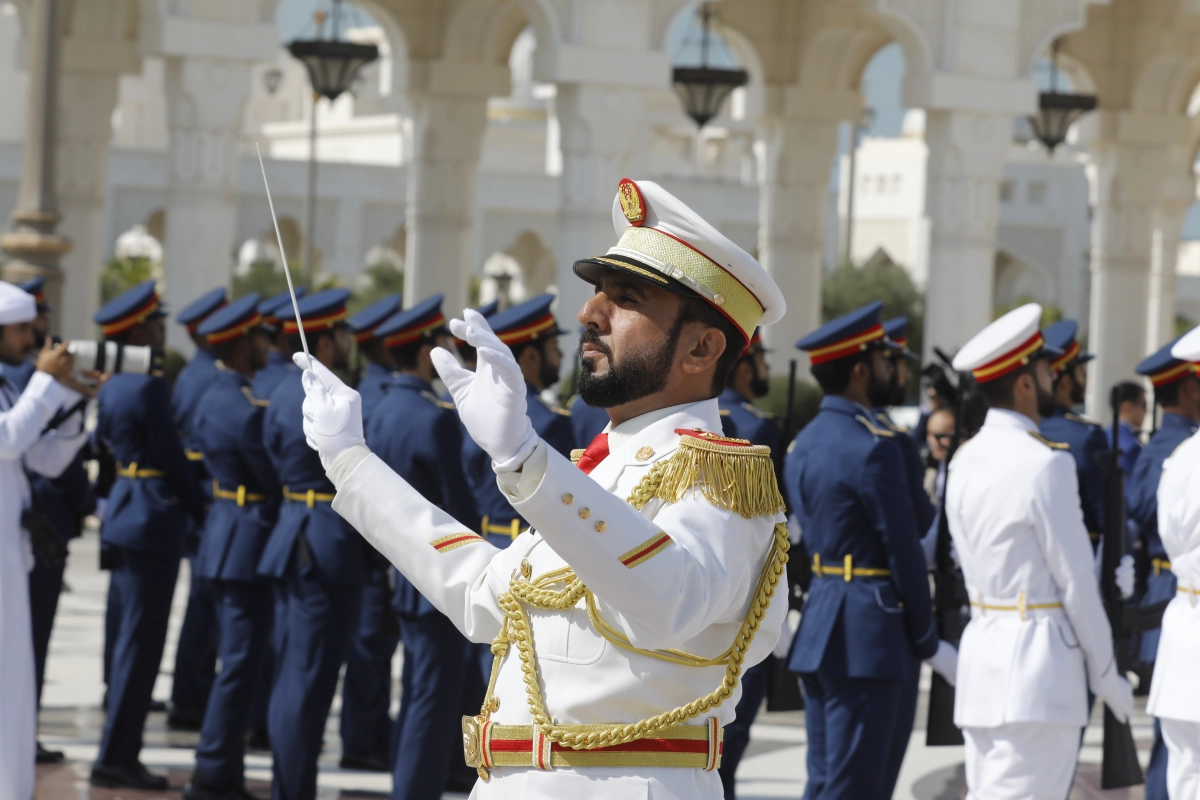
[(371, 387), (846, 480), (149, 515), (1088, 445), (1130, 445), (741, 419), (420, 438), (323, 543), (193, 381), (1141, 491), (552, 425), (914, 471), (227, 427), (267, 378), (586, 421)]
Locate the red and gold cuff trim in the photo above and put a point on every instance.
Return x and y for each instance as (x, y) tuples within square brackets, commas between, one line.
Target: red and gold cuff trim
[(686, 746), (1012, 360), (646, 550), (412, 334), (846, 347), (445, 544), (237, 331), (1172, 374), (316, 323), (131, 320), (1060, 364), (528, 333)]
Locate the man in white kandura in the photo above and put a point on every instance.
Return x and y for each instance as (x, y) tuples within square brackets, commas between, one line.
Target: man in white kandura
[(24, 445), (1038, 636), (1174, 690), (622, 620)]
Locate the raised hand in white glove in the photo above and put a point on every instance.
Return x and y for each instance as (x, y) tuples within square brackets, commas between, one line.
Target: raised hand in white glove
[(1117, 694), (945, 661), (490, 400), (1125, 575), (332, 412)]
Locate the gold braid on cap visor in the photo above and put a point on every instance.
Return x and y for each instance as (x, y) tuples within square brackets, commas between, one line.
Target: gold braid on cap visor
[(674, 259)]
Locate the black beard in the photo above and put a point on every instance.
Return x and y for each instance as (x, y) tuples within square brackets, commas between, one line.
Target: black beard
[(759, 387), (640, 373), (1077, 392), (898, 393), (548, 374), (880, 393), (1045, 402)]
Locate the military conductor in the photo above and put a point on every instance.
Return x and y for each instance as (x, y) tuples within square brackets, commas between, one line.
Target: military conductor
[(623, 619)]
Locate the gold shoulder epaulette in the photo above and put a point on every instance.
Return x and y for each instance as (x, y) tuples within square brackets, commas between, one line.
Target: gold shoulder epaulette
[(791, 447), (730, 473), (758, 412), (1082, 420), (254, 401), (562, 412), (886, 422), (576, 455), (1053, 445), (884, 432), (431, 397), (724, 412)]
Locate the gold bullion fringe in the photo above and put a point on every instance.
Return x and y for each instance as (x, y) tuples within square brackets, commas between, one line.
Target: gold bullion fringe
[(738, 479)]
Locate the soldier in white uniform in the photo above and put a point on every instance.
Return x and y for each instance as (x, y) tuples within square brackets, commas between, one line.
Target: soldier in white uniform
[(623, 619), (1174, 691), (1038, 636)]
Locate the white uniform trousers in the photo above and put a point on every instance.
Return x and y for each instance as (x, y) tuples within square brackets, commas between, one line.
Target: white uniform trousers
[(18, 708), (1183, 763), (602, 783), (1021, 761)]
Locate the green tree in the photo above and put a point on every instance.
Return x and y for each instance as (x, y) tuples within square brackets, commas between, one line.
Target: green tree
[(850, 287), (122, 274)]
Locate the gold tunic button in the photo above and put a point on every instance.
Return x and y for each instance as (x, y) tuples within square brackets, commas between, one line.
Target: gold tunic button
[(600, 526), (645, 454), (584, 513), (526, 568), (568, 499)]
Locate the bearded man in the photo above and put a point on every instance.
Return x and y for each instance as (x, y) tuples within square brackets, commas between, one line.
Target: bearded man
[(623, 619)]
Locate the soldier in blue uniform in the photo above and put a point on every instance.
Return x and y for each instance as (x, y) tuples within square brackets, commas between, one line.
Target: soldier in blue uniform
[(1131, 402), (867, 618), (365, 724), (1177, 390), (196, 650), (227, 427), (317, 560), (279, 360), (154, 499), (1086, 439), (420, 437), (66, 500)]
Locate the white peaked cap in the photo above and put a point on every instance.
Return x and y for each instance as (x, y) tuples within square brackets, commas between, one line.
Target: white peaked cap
[(16, 305), (1003, 346), (671, 245), (1188, 346)]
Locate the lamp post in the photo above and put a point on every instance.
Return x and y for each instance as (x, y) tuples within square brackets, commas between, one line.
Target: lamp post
[(704, 89), (856, 131), (332, 66), (1057, 111)]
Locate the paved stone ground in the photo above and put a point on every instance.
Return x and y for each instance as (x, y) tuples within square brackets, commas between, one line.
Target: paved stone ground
[(71, 720)]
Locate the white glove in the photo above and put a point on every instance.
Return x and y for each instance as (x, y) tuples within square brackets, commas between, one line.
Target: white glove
[(1125, 576), (791, 624), (1117, 694), (332, 412), (945, 661), (490, 400)]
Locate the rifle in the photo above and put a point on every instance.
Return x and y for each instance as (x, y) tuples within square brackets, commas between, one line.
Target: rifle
[(940, 730), (1120, 765)]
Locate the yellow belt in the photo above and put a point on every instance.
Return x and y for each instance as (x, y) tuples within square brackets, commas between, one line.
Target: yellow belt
[(193, 455), (311, 497), (1160, 565), (513, 529), (132, 471), (847, 570), (1021, 607), (241, 496), (487, 745)]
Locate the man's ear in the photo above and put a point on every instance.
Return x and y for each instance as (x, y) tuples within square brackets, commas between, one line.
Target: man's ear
[(704, 347)]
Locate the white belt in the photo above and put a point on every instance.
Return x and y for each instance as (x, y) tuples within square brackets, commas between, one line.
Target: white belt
[(1022, 605)]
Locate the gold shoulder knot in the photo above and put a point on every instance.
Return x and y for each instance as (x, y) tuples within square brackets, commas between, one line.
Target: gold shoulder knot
[(724, 412), (1082, 420), (1053, 445), (758, 412), (576, 455), (254, 401), (730, 473), (884, 432), (431, 397), (886, 422)]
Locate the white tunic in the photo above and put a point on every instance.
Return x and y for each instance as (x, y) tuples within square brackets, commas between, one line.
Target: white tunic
[(1175, 690), (21, 440), (692, 594), (1013, 509)]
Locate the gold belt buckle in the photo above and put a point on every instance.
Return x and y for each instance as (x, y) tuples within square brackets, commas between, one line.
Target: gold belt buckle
[(472, 739)]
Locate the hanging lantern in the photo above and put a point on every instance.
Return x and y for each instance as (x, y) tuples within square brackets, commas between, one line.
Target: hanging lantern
[(704, 89), (1057, 111), (332, 64)]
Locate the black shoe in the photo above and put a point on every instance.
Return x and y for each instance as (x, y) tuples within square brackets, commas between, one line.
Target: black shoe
[(183, 720), (157, 706), (45, 756), (258, 741), (365, 763), (113, 776)]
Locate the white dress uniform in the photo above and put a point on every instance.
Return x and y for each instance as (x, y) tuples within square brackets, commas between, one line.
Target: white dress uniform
[(1038, 635), (22, 446), (1175, 690)]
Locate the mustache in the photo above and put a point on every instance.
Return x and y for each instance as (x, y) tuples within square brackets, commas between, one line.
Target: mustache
[(593, 338)]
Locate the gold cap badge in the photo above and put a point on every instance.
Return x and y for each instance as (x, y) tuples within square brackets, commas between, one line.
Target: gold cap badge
[(633, 204)]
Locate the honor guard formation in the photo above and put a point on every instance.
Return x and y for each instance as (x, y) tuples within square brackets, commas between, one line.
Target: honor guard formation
[(596, 602)]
